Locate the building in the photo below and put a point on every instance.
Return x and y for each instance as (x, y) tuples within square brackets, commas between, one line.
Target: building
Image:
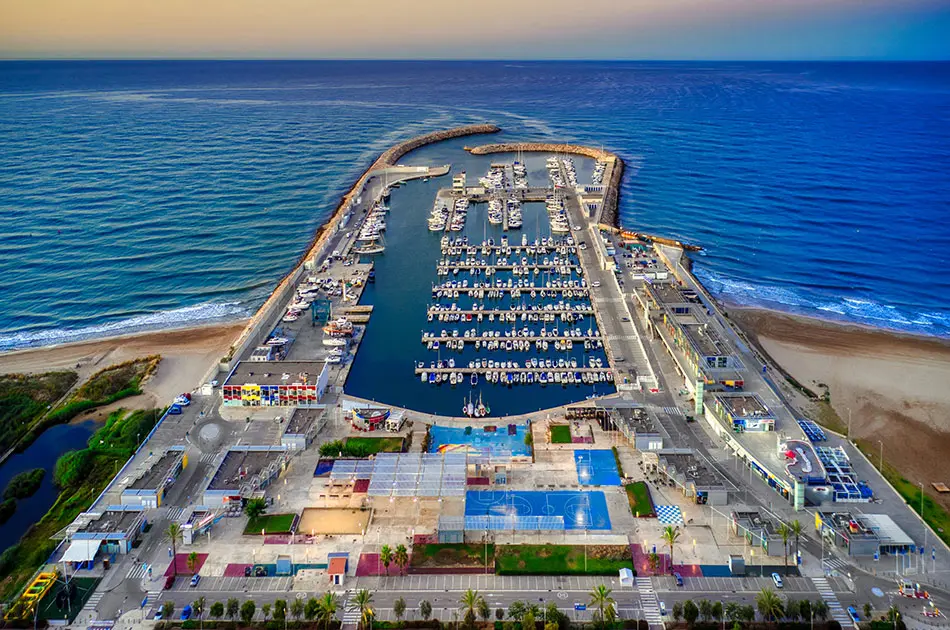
[(112, 531), (276, 384), (743, 412), (148, 490), (863, 534), (636, 423), (337, 566), (758, 531), (458, 183), (304, 423), (244, 471), (694, 478)]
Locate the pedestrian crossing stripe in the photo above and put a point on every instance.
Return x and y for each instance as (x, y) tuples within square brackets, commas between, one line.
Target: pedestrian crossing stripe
[(174, 513), (93, 601), (673, 411), (669, 514), (136, 571)]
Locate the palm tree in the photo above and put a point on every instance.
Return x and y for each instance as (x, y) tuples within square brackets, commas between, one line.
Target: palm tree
[(255, 507), (192, 561), (216, 611), (327, 609), (796, 528), (174, 536), (654, 560), (265, 609), (769, 604), (386, 557), (362, 602), (232, 608), (670, 536), (296, 610), (402, 557), (198, 606), (471, 601), (311, 609), (600, 598), (786, 533), (820, 609)]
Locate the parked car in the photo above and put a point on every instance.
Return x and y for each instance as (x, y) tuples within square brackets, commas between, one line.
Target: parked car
[(194, 580), (678, 578), (853, 613), (186, 612), (169, 582), (663, 609), (158, 615), (595, 283), (174, 410), (777, 580)]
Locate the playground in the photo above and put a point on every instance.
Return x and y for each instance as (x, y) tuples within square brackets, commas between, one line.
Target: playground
[(332, 521)]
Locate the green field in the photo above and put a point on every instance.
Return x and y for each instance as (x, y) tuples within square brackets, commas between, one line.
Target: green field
[(271, 524), (452, 555), (560, 434), (84, 589), (561, 559), (638, 495)]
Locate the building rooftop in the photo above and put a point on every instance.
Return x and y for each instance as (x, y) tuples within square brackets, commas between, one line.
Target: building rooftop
[(301, 420), (705, 339), (156, 474), (744, 405), (752, 520), (804, 463), (276, 372), (637, 419), (241, 464), (848, 525), (112, 521), (686, 467), (670, 293)]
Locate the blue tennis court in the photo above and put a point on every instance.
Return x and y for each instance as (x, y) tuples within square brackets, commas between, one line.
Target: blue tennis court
[(503, 440), (596, 468), (529, 509)]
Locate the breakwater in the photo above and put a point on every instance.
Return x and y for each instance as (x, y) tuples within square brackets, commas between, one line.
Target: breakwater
[(609, 212), (266, 316)]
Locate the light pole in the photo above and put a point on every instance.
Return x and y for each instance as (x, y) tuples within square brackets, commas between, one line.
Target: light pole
[(881, 442)]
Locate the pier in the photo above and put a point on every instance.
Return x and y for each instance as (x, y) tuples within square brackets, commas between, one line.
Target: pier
[(513, 370), (494, 267), (488, 338), (583, 291), (501, 312)]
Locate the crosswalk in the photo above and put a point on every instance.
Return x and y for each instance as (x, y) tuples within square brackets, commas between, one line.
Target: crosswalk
[(152, 598), (670, 411), (207, 458), (136, 571), (351, 615), (834, 562), (174, 513), (651, 606), (838, 613), (93, 601)]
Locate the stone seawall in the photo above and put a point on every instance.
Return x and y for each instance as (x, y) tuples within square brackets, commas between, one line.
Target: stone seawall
[(610, 214), (266, 314)]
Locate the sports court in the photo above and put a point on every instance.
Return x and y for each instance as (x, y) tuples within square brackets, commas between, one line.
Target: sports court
[(530, 509), (333, 521), (596, 468), (498, 441)]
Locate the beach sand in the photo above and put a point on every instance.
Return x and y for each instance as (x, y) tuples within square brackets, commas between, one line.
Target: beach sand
[(897, 387), (187, 354)]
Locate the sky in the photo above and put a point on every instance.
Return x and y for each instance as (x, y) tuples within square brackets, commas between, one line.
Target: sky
[(479, 29)]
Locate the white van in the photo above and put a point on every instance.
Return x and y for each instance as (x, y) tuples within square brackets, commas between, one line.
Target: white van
[(663, 609)]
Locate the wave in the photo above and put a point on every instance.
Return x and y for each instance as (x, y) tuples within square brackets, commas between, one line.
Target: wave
[(800, 301), (162, 320)]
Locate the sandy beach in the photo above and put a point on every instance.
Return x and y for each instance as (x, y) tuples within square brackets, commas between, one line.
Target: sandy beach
[(897, 387), (187, 354)]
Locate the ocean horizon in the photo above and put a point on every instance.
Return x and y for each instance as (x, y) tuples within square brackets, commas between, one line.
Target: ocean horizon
[(145, 195)]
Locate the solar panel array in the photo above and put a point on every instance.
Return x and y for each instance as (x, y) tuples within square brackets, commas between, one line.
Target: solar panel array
[(812, 431), (351, 469), (418, 475), (501, 523)]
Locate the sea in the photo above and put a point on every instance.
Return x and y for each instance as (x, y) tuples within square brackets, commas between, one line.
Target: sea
[(147, 195)]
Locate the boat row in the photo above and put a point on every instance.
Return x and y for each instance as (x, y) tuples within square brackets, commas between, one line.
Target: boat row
[(516, 292), (373, 225), (516, 270), (442, 217), (520, 175), (340, 327), (455, 317), (557, 215), (525, 332), (503, 377), (570, 170), (598, 176), (504, 261), (513, 345), (462, 245)]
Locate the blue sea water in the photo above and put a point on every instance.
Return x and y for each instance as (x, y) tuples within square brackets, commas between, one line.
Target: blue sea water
[(142, 195)]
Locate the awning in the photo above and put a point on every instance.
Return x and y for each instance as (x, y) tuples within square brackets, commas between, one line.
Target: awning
[(81, 551)]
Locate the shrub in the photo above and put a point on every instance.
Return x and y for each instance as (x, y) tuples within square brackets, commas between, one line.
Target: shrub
[(72, 468), (24, 484)]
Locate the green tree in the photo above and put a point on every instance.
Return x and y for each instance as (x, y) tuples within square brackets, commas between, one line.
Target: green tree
[(796, 528), (483, 610), (804, 609), (690, 612), (654, 560), (168, 609), (399, 608), (255, 507), (733, 611), (717, 611), (769, 604), (280, 610), (500, 614), (401, 557), (425, 609), (192, 561), (670, 536), (216, 611), (786, 533), (528, 622), (705, 609), (600, 598), (748, 613), (820, 609), (72, 469), (174, 535), (516, 610), (296, 609), (792, 609), (265, 610), (551, 613), (550, 625), (386, 557), (677, 611), (327, 609), (233, 608), (867, 610), (363, 603), (198, 608), (248, 609), (311, 609)]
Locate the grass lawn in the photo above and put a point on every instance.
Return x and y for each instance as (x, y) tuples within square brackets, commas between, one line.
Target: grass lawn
[(638, 495), (561, 559), (366, 446), (560, 434), (271, 524), (452, 555), (935, 515)]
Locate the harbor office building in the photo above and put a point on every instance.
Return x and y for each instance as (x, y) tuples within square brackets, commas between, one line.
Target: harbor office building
[(276, 384)]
